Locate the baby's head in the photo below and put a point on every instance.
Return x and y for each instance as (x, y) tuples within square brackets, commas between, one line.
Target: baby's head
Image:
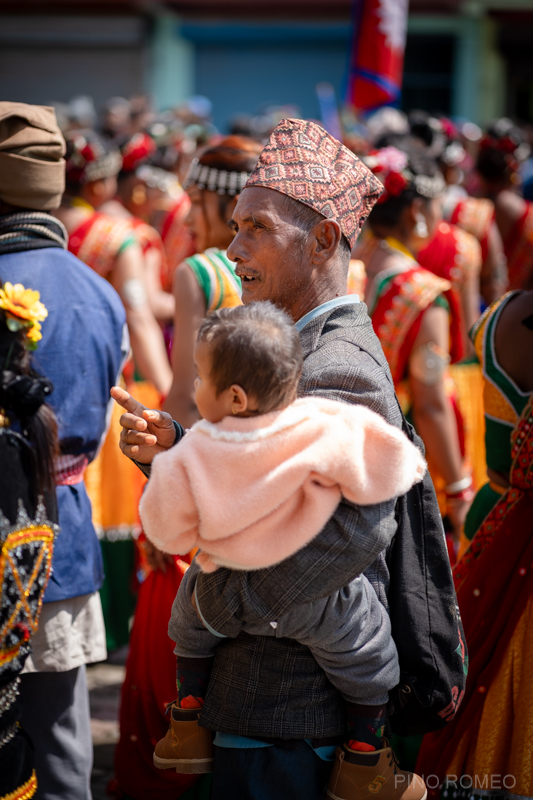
[(248, 361)]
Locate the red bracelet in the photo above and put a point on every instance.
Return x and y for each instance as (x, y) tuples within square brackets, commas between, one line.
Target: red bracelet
[(461, 497)]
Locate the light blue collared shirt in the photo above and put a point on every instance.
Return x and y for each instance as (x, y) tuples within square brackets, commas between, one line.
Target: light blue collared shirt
[(345, 300)]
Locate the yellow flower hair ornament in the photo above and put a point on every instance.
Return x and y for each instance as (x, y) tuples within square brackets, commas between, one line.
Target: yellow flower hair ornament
[(23, 310)]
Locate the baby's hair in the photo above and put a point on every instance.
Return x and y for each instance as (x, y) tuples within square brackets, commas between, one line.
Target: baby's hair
[(258, 348)]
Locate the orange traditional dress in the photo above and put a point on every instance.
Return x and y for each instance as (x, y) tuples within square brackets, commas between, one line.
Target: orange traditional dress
[(518, 248), (396, 304), (114, 484), (488, 747), (455, 255)]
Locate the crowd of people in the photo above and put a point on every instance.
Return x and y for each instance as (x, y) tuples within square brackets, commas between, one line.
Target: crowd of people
[(404, 258)]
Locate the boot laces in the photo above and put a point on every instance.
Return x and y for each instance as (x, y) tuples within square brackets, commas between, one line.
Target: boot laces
[(393, 761)]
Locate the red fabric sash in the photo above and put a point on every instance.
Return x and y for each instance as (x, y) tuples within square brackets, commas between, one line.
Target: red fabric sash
[(439, 258)]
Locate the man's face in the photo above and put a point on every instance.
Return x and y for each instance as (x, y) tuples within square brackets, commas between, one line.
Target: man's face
[(268, 249)]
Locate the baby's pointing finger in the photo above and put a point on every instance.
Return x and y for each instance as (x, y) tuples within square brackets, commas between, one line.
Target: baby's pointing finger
[(125, 400)]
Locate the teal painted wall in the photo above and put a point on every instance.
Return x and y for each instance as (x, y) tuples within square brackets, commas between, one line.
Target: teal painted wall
[(243, 67), (172, 59)]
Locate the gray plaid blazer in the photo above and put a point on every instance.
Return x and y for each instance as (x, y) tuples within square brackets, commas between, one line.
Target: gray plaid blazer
[(265, 687)]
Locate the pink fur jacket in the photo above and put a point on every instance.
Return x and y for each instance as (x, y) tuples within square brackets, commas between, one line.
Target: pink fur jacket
[(251, 491)]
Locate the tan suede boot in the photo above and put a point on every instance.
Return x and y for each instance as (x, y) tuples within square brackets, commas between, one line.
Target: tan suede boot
[(187, 747), (372, 776)]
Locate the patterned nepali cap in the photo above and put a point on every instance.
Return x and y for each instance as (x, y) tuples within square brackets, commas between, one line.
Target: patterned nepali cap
[(306, 163)]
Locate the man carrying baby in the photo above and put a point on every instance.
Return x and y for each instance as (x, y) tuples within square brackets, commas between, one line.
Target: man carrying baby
[(252, 483), (273, 708)]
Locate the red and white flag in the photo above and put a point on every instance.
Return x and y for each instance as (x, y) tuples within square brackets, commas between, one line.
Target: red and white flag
[(378, 45)]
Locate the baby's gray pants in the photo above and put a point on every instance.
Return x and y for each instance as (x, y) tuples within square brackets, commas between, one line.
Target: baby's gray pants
[(348, 633)]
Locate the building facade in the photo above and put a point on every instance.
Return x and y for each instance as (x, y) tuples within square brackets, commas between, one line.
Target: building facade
[(465, 58)]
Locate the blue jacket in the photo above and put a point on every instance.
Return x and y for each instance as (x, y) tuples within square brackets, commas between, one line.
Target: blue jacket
[(82, 350)]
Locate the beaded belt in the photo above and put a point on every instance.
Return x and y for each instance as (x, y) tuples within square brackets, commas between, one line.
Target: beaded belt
[(8, 695), (8, 733), (69, 470)]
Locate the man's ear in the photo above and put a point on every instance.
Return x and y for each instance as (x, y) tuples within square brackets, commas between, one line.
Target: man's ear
[(327, 236), (239, 399)]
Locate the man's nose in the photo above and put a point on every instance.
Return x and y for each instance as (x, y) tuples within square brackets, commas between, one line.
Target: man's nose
[(235, 251)]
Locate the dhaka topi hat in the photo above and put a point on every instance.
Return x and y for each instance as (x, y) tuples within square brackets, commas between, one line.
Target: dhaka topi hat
[(303, 161), (32, 169)]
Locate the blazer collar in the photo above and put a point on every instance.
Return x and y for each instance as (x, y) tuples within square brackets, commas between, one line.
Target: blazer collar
[(311, 333)]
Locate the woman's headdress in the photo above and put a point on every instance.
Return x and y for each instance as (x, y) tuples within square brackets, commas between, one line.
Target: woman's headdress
[(89, 159), (391, 167), (222, 181), (136, 151)]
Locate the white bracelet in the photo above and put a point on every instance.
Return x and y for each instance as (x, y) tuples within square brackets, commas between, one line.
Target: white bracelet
[(459, 486)]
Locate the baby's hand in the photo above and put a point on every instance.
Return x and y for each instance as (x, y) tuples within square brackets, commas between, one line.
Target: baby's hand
[(145, 432)]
